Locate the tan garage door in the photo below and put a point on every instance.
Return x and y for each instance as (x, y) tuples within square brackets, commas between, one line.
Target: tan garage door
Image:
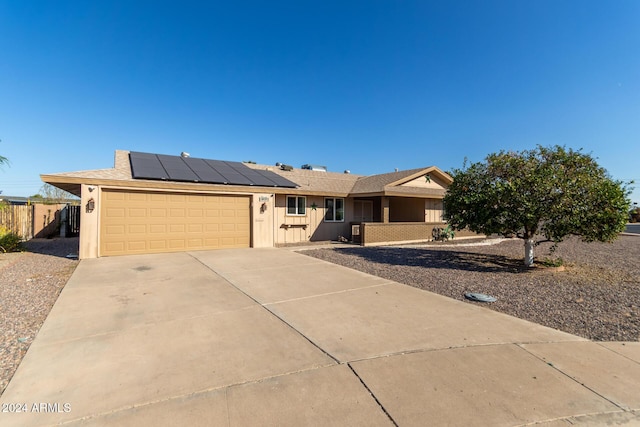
[(137, 222)]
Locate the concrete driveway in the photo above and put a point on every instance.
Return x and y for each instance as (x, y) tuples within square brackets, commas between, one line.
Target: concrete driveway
[(272, 337)]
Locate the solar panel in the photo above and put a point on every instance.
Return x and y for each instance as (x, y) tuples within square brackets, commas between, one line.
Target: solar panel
[(237, 179), (278, 181), (205, 172), (177, 169), (147, 166), (258, 179), (187, 169)]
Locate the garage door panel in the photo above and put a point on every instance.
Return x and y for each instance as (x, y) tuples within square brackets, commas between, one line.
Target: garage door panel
[(157, 245), (195, 243), (142, 197), (177, 244), (136, 246), (138, 229), (195, 228), (137, 213), (158, 213), (157, 228), (135, 222), (177, 228), (113, 195), (211, 228), (116, 212), (115, 247)]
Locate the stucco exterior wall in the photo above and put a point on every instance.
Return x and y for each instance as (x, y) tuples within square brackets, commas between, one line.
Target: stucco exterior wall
[(262, 218), (89, 222), (46, 219)]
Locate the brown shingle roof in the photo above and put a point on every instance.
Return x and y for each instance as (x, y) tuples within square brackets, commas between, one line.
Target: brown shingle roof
[(309, 181), (377, 183)]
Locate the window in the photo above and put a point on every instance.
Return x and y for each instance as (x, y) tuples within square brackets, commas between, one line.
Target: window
[(296, 205), (334, 210)]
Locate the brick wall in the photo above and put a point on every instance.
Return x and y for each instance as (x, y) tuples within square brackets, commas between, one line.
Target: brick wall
[(372, 233)]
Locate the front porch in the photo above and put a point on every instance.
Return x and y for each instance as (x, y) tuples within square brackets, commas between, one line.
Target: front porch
[(380, 220)]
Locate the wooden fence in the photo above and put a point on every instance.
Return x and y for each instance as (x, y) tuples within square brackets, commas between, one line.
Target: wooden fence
[(18, 219), (39, 220)]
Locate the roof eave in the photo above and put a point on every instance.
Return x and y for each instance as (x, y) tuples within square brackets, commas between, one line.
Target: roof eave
[(68, 183), (436, 194)]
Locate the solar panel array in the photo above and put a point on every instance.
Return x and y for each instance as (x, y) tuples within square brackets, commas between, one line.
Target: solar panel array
[(187, 169)]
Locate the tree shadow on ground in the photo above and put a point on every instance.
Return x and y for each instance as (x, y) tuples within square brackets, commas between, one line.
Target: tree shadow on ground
[(429, 258)]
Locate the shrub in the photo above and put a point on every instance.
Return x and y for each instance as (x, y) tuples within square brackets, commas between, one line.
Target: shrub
[(10, 242), (443, 234)]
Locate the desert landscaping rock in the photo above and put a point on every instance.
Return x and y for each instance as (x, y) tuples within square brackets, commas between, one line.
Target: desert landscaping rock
[(597, 296), (30, 283)]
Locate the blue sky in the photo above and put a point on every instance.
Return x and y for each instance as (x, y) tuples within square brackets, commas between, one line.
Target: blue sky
[(368, 86)]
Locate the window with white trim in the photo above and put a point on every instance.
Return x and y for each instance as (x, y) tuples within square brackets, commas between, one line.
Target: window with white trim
[(334, 210), (296, 205)]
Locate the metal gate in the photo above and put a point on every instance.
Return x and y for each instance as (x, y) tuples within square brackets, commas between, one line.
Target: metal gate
[(73, 218)]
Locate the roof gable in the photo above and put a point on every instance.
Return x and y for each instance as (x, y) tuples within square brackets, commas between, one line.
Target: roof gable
[(414, 179)]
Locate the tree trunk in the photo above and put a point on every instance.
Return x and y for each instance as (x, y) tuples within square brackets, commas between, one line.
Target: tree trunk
[(528, 252)]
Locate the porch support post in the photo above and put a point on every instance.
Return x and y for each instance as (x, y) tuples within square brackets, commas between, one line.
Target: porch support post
[(385, 209)]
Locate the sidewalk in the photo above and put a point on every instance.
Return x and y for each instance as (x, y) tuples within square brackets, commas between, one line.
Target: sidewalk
[(273, 337)]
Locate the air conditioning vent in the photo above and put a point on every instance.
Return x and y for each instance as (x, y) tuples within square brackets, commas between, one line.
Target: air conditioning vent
[(318, 168)]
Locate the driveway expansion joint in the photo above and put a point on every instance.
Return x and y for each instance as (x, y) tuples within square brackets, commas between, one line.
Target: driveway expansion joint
[(617, 352), (372, 395), (345, 291), (309, 340), (574, 379)]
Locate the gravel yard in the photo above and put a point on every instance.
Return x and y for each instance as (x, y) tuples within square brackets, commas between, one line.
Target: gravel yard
[(596, 297), (30, 283)]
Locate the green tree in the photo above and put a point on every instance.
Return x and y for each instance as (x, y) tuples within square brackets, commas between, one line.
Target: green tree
[(552, 192)]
